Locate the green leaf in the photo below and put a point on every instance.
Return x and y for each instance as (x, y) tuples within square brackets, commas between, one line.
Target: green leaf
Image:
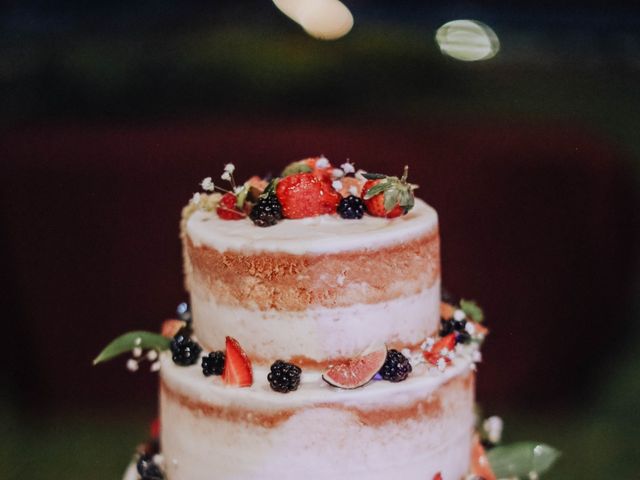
[(296, 167), (522, 458), (377, 189), (128, 341), (472, 310), (407, 200), (391, 199), (270, 188), (241, 196), (373, 176)]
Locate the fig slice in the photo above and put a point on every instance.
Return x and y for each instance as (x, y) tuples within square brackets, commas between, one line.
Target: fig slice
[(358, 371)]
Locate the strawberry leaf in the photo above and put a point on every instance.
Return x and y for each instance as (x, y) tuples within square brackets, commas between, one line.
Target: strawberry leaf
[(472, 310), (519, 460), (241, 196), (377, 189), (296, 167), (129, 341), (391, 199), (374, 176)]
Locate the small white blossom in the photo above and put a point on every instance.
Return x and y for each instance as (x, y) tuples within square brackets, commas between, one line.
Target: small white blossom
[(470, 328), (359, 175), (155, 366), (442, 364), (238, 189), (459, 315), (406, 352), (152, 355), (207, 184), (226, 176), (347, 167), (451, 355), (196, 198), (444, 352), (493, 427), (132, 365), (533, 475), (353, 190), (158, 459), (137, 352), (137, 341), (337, 173), (337, 184), (428, 344), (229, 168), (322, 162)]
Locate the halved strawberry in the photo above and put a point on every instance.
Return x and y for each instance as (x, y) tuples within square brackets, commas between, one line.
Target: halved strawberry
[(480, 465), (171, 327), (237, 367), (448, 342), (387, 197), (227, 209), (305, 195)]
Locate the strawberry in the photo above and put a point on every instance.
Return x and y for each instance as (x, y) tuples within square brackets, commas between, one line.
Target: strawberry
[(171, 327), (154, 428), (237, 366), (437, 476), (319, 166), (448, 342), (227, 209), (387, 197), (480, 465), (446, 310), (305, 195)]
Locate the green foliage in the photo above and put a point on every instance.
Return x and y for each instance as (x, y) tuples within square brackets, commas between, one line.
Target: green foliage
[(522, 458), (129, 341)]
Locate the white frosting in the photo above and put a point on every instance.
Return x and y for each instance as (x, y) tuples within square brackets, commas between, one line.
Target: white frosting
[(321, 440), (317, 333), (321, 234)]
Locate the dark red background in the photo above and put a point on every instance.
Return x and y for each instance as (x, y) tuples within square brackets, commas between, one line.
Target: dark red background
[(536, 223)]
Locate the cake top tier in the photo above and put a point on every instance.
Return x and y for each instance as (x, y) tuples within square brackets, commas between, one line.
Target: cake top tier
[(311, 235)]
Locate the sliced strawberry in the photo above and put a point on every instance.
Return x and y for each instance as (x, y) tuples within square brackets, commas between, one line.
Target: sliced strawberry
[(305, 195), (237, 367), (154, 428), (435, 354), (480, 462), (171, 327), (227, 209)]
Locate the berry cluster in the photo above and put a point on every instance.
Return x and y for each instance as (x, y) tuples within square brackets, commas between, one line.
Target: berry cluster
[(308, 188), (148, 469), (213, 364), (284, 377), (396, 367), (184, 350)]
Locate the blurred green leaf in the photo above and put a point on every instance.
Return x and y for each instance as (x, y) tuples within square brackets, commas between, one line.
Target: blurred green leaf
[(129, 341), (522, 458)]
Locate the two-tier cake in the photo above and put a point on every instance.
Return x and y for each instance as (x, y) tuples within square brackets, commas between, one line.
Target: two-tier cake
[(317, 345)]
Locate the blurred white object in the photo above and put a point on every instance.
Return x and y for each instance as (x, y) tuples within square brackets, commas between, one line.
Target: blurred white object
[(467, 40), (322, 19)]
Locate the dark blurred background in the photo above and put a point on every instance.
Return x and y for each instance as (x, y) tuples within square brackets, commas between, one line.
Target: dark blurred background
[(112, 112)]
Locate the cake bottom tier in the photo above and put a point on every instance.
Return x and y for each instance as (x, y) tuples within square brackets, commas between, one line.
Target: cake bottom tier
[(409, 430)]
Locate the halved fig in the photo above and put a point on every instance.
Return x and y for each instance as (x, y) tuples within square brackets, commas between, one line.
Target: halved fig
[(358, 371)]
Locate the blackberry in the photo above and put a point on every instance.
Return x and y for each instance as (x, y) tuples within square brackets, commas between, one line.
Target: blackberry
[(267, 211), (185, 351), (446, 327), (148, 469), (396, 367), (459, 325), (351, 207), (213, 364), (463, 337), (284, 377)]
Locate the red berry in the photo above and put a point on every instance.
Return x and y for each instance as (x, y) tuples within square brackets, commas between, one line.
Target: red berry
[(237, 366), (480, 465), (437, 476), (375, 205), (305, 195), (227, 209), (154, 428), (171, 327), (435, 354)]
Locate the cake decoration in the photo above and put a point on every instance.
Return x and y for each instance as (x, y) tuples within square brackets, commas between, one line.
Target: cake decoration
[(351, 207), (305, 195), (213, 364), (184, 349), (237, 370), (284, 377), (396, 367), (358, 371), (388, 196)]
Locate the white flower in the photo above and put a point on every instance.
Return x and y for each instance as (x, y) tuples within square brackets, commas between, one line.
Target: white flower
[(138, 341), (337, 184), (406, 352), (155, 366), (132, 365), (442, 364), (137, 352), (444, 351), (353, 190), (359, 175), (337, 173), (493, 426), (347, 167), (226, 176), (196, 198), (459, 315), (229, 168), (451, 355), (322, 162), (152, 355), (207, 184), (427, 344), (476, 356), (470, 328)]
